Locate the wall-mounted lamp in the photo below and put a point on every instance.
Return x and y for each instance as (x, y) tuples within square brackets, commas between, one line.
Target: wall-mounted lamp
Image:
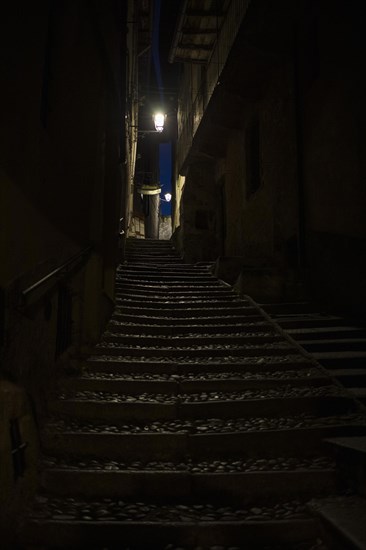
[(159, 120)]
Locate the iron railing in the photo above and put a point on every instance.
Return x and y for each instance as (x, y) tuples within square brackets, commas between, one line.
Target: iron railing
[(35, 291)]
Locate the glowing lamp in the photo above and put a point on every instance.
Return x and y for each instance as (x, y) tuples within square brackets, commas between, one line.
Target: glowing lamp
[(159, 119)]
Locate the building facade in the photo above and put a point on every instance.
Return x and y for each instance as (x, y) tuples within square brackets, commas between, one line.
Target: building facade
[(269, 165)]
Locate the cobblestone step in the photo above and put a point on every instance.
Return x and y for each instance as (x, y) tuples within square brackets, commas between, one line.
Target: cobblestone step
[(153, 292), (143, 317), (199, 351), (181, 304), (161, 278), (190, 312), (174, 329), (160, 525), (169, 269), (109, 480), (115, 407), (175, 440), (185, 365), (194, 341), (174, 384), (177, 287)]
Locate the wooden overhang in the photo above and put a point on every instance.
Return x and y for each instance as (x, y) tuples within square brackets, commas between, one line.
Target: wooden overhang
[(197, 29)]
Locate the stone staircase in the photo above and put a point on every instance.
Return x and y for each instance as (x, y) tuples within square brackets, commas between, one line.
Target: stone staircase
[(335, 341), (195, 423)]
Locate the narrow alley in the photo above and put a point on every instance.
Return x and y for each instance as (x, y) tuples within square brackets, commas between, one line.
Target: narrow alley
[(182, 275)]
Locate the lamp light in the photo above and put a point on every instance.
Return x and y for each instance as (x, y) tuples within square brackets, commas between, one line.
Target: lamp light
[(159, 120)]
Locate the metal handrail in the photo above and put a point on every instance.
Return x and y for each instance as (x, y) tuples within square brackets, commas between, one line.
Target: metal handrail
[(60, 272)]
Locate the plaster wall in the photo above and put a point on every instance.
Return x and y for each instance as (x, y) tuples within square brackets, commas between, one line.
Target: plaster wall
[(14, 404), (334, 153), (60, 191), (60, 179), (262, 226), (199, 214)]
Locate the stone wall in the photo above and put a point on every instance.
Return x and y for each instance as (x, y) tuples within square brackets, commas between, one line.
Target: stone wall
[(334, 151), (61, 189), (165, 227), (199, 214)]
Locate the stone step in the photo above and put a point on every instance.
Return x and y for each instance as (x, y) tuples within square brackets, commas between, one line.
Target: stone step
[(172, 441), (184, 341), (158, 257), (151, 250), (308, 321), (175, 384), (249, 350), (334, 345), (190, 269), (359, 392), (120, 408), (186, 292), (149, 245), (206, 311), (143, 319), (148, 242), (350, 376), (169, 269), (343, 521), (326, 332), (177, 300), (188, 304), (186, 365), (350, 454), (59, 522), (170, 284), (144, 255), (164, 253), (285, 308), (198, 329), (333, 359), (162, 278), (213, 480)]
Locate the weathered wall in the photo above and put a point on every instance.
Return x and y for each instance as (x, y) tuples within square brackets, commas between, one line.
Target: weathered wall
[(262, 224), (60, 190), (199, 214), (16, 486), (60, 141), (165, 227), (331, 55)]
